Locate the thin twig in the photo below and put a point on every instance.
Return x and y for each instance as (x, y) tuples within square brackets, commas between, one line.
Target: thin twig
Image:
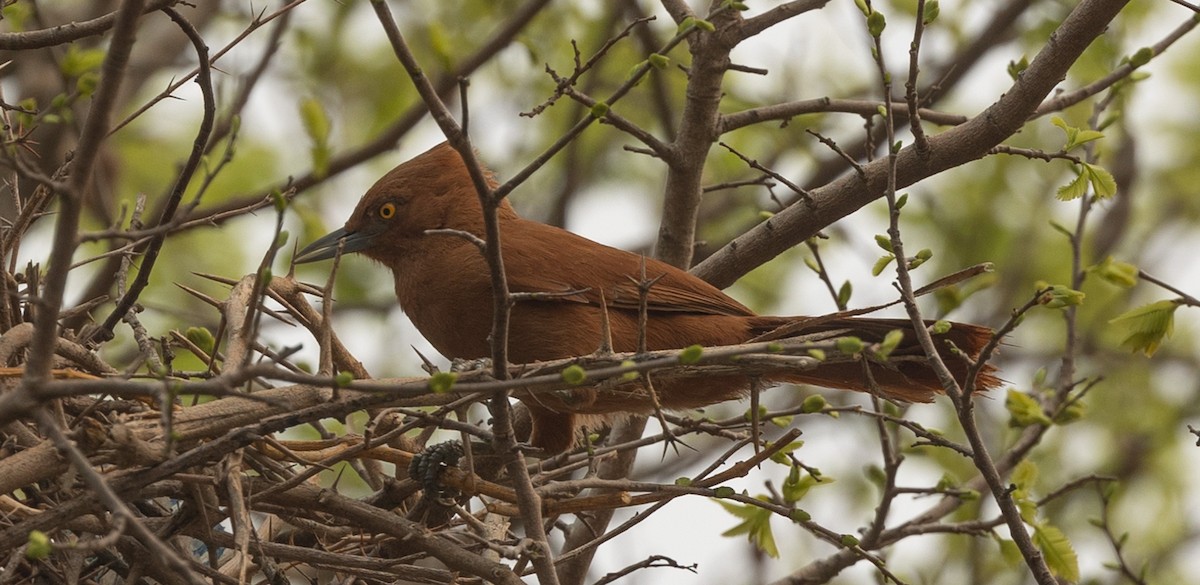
[(204, 78)]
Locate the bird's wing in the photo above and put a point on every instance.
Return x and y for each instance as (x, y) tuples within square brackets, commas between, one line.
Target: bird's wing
[(545, 259)]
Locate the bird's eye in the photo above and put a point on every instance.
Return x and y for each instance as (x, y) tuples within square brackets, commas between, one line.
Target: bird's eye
[(387, 210)]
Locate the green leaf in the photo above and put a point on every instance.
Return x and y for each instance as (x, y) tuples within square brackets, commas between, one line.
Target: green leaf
[(1087, 135), (637, 70), (1026, 506), (876, 475), (843, 294), (1015, 68), (749, 414), (889, 344), (202, 338), (813, 403), (1075, 136), (691, 354), (1074, 190), (17, 15), (849, 345), (686, 25), (849, 540), (630, 375), (862, 6), (914, 262), (1060, 296), (87, 83), (1141, 56), (279, 201), (343, 379), (317, 126), (947, 482), (315, 120), (705, 25), (442, 382), (1009, 551), (599, 110), (574, 374), (799, 515), (876, 22), (78, 61), (884, 241), (941, 327), (38, 545), (1070, 414), (442, 43), (782, 456), (1102, 181), (1039, 378), (1024, 409), (1057, 550), (1024, 475), (881, 263), (755, 524), (1122, 274), (659, 61), (683, 481), (932, 10), (797, 484), (817, 354), (1148, 325), (1068, 129)]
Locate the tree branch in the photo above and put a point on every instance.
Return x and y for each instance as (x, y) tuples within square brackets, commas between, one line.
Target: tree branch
[(949, 149)]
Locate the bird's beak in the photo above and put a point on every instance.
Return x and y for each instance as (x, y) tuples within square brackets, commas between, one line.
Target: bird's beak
[(328, 246)]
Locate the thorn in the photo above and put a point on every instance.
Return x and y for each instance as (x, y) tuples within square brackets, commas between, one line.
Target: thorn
[(207, 299), (292, 261), (84, 307), (426, 365), (215, 278), (606, 344)]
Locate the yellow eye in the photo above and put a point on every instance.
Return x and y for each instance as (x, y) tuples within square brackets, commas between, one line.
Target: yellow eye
[(387, 210)]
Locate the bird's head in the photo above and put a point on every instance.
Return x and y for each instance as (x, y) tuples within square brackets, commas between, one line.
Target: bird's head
[(432, 191)]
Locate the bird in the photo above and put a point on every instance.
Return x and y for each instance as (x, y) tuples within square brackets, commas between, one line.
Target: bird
[(408, 220)]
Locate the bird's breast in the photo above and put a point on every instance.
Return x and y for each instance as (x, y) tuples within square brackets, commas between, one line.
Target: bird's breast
[(447, 294)]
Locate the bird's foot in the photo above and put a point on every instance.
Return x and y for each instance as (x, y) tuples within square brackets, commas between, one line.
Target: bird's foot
[(427, 467), (476, 365)]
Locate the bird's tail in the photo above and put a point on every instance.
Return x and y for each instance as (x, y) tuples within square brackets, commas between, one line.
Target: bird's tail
[(904, 375)]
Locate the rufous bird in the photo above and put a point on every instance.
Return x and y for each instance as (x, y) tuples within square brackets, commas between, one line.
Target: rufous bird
[(443, 284)]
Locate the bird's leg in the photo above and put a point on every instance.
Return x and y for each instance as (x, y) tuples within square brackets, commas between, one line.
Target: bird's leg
[(460, 365), (427, 467)]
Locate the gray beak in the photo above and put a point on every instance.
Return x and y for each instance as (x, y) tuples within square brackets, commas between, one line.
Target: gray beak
[(327, 247)]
